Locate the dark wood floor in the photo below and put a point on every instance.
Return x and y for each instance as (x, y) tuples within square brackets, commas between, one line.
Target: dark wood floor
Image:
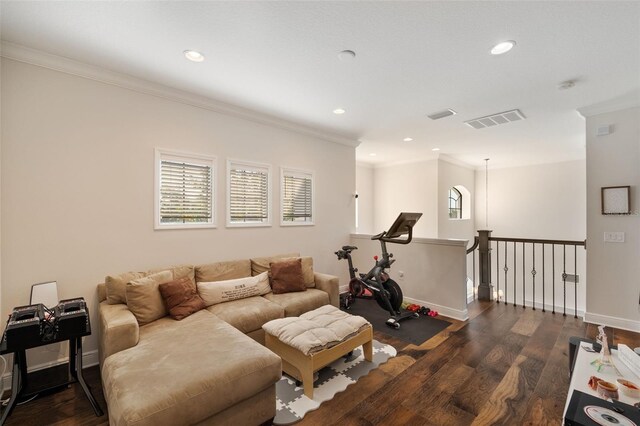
[(506, 366)]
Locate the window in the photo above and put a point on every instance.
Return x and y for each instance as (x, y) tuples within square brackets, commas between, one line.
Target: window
[(249, 194), (296, 194), (184, 190), (455, 204)]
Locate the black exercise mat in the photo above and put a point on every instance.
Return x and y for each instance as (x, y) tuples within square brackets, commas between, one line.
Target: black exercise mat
[(412, 330)]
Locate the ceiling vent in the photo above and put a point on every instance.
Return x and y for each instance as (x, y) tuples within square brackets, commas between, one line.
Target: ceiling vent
[(495, 119), (442, 114)]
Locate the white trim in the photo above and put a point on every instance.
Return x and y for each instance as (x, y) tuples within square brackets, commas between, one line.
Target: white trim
[(257, 166), (455, 162), (202, 159), (629, 100), (621, 323), (89, 359), (461, 315), (292, 171), (419, 240), (58, 63)]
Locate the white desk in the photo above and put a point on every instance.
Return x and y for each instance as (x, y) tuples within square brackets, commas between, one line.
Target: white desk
[(583, 370)]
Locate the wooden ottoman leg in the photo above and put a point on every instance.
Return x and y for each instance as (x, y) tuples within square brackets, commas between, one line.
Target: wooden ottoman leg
[(368, 351), (307, 381)]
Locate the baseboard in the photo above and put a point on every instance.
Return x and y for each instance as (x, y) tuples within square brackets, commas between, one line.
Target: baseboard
[(461, 315), (621, 323), (89, 359), (343, 288)]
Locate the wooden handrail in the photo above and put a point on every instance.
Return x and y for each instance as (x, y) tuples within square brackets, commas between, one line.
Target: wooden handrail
[(538, 241), (476, 241)]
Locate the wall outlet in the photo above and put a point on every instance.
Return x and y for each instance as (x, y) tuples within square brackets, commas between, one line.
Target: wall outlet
[(614, 237)]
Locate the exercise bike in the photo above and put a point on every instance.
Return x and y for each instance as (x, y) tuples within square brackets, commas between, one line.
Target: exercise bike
[(376, 283)]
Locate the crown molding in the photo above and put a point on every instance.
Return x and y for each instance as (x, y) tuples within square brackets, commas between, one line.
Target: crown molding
[(626, 101), (455, 162), (58, 63)]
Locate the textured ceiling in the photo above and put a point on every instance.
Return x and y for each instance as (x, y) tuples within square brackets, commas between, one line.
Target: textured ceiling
[(413, 59)]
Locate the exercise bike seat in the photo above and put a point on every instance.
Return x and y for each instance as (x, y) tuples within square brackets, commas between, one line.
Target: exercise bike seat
[(349, 248)]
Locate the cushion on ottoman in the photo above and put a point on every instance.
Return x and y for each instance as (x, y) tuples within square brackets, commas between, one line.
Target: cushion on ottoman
[(182, 372), (295, 304), (319, 329)]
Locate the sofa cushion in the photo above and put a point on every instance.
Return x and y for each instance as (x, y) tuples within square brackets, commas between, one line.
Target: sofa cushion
[(116, 286), (295, 304), (178, 272), (219, 271), (241, 288), (181, 298), (249, 314), (182, 372), (286, 276), (261, 264), (144, 299)]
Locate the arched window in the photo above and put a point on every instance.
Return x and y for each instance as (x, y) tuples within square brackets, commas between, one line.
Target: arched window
[(455, 204)]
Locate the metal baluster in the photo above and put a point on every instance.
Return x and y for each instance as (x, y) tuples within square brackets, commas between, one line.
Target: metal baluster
[(506, 269), (543, 274), (515, 262), (564, 279), (553, 277), (575, 284), (498, 271), (473, 286), (523, 276), (533, 276)]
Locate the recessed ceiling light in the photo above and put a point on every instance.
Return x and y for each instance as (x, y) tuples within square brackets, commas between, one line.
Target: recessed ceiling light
[(435, 149), (373, 154), (407, 139), (347, 55), (503, 47), (339, 111), (194, 56)]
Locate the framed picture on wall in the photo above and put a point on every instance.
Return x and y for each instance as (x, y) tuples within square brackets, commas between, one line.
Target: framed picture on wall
[(615, 200)]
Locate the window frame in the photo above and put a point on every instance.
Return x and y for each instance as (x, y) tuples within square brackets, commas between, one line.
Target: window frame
[(255, 165), (458, 202), (162, 154), (291, 171)]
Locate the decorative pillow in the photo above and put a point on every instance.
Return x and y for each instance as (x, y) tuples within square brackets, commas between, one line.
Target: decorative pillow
[(307, 270), (261, 264), (116, 286), (224, 291), (287, 277), (144, 299), (181, 298)]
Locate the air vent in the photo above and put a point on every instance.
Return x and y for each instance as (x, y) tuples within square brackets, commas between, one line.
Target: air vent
[(495, 119), (442, 114)]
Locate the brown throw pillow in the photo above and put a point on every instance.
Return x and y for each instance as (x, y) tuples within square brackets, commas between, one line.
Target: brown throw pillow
[(287, 277), (181, 298)]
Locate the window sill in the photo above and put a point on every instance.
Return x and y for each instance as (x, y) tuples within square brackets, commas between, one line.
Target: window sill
[(297, 223), (248, 225), (185, 226)]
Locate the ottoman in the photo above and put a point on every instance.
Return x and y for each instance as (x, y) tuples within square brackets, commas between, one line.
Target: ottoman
[(316, 339)]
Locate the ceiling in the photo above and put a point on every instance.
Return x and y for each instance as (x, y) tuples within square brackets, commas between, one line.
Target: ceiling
[(412, 59)]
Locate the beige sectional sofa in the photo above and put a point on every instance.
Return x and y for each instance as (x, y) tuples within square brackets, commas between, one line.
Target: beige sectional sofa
[(208, 368)]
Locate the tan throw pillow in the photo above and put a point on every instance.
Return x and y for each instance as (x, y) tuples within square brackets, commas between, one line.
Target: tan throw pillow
[(287, 277), (219, 271), (261, 264), (116, 286), (144, 299), (224, 291), (181, 298), (179, 272), (307, 270)]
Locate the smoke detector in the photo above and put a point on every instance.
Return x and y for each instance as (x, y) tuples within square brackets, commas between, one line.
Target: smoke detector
[(568, 84), (442, 114), (495, 119)]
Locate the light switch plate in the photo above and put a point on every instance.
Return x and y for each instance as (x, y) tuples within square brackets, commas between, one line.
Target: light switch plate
[(614, 237)]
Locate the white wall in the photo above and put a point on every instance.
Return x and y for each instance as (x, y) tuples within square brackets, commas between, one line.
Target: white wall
[(77, 178), (545, 201), (366, 210), (613, 268), (409, 187), (450, 175)]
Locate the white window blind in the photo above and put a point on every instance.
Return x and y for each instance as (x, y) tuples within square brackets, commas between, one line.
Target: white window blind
[(297, 197), (185, 190), (248, 201)]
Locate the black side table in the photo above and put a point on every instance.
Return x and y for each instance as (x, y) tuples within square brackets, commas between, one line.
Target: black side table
[(19, 382)]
